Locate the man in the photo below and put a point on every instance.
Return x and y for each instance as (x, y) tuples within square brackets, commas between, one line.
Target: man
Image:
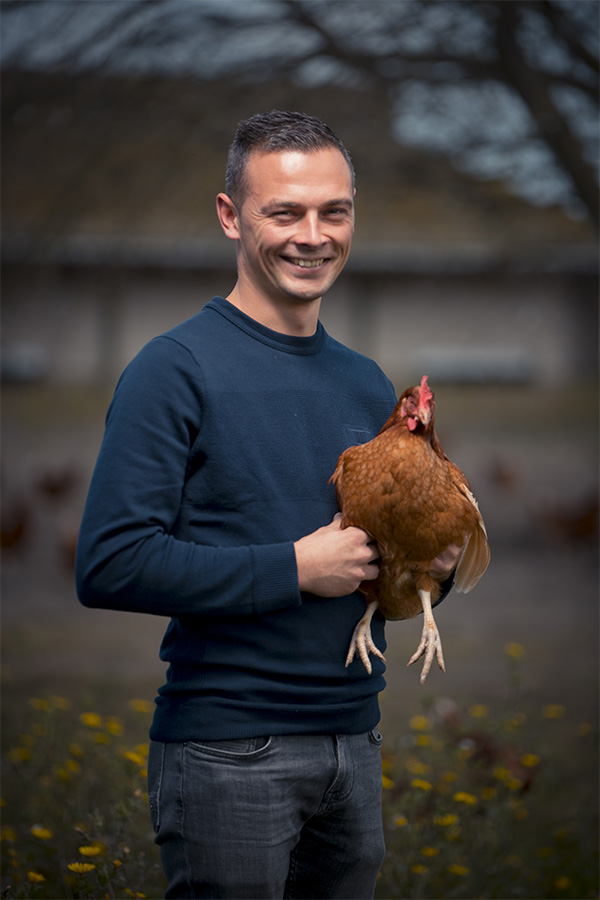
[(210, 504)]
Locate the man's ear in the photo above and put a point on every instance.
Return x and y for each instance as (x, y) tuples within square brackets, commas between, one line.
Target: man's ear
[(228, 216)]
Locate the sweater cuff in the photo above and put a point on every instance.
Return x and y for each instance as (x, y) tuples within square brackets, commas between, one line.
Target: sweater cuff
[(275, 577)]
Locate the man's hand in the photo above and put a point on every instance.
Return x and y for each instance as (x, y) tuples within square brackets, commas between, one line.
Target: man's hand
[(332, 561), (444, 564)]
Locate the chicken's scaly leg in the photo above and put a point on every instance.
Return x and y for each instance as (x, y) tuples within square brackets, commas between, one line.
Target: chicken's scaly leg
[(431, 642), (362, 640)]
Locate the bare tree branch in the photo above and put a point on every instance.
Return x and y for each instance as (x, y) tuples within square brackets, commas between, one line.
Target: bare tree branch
[(534, 90)]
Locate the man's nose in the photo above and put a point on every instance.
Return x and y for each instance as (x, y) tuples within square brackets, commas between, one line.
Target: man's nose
[(309, 230)]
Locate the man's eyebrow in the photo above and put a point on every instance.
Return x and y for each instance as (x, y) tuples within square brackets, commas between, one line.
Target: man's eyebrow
[(294, 204)]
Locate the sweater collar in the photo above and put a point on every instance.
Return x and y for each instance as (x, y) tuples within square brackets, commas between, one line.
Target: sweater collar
[(287, 343)]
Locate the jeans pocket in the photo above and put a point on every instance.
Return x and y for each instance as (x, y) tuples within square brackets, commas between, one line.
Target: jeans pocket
[(236, 749), (156, 766)]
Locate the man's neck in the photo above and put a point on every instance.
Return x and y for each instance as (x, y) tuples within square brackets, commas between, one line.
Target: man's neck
[(299, 319)]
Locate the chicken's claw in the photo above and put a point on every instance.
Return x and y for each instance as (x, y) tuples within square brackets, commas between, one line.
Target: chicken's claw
[(362, 640), (431, 643)]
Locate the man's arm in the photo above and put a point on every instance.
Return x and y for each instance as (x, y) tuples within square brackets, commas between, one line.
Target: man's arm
[(128, 557)]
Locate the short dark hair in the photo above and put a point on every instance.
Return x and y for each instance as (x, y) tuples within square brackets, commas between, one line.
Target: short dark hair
[(273, 132)]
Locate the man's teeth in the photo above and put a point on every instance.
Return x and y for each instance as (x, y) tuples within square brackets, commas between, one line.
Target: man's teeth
[(308, 263)]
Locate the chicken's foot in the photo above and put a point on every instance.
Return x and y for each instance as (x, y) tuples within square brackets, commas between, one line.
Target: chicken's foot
[(362, 640), (431, 643)]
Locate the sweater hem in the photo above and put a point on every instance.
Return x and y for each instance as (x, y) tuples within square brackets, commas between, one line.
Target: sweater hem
[(195, 719)]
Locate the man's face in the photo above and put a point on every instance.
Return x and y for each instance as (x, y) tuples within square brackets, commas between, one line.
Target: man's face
[(295, 224)]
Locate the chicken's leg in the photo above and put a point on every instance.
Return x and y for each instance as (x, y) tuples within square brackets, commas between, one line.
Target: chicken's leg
[(362, 640), (431, 643)]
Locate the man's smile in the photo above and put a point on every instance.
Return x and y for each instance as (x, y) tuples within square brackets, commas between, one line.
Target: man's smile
[(306, 263)]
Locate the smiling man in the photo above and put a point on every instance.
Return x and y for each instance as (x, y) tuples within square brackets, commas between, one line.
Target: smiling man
[(210, 505)]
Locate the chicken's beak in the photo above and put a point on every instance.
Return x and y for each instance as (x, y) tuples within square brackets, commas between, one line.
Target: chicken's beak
[(424, 413)]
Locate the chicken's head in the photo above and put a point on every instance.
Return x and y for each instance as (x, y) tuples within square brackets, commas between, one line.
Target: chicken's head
[(417, 406)]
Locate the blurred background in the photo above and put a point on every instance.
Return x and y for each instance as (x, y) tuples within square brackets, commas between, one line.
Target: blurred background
[(473, 127)]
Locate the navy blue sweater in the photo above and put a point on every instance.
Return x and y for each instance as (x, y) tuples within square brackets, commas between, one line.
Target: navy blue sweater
[(219, 444)]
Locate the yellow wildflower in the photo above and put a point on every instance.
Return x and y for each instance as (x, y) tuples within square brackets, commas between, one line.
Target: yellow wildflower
[(449, 776), (430, 851), (418, 868), (72, 765), (562, 882), (38, 831), (63, 774), (386, 782), (39, 704), (100, 737), (141, 706), (421, 784), (456, 869), (416, 767), (530, 760), (35, 877), (489, 793), (76, 749), (514, 650), (134, 757), (117, 863), (8, 834), (90, 719), (464, 797), (479, 711), (114, 726), (553, 711), (96, 848), (422, 740), (515, 722), (584, 729), (420, 723), (144, 750), (512, 783), (60, 702), (20, 754), (400, 821), (447, 819), (81, 868)]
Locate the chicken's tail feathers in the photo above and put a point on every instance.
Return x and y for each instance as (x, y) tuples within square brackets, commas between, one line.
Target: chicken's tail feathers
[(474, 560)]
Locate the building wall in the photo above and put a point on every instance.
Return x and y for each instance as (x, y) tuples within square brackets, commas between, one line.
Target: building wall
[(83, 324)]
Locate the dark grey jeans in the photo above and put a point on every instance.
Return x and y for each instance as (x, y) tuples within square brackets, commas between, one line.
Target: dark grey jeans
[(273, 817)]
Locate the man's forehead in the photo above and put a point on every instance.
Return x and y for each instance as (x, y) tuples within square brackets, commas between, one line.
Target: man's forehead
[(322, 166)]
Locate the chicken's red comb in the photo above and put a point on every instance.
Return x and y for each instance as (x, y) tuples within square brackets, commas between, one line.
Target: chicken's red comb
[(425, 394)]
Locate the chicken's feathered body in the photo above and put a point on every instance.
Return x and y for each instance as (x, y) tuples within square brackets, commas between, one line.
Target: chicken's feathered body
[(403, 490)]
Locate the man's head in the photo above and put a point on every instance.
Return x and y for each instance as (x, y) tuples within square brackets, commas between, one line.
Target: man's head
[(276, 131), (290, 208)]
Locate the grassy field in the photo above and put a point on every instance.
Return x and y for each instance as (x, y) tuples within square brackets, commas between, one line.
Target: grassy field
[(479, 801), (490, 772)]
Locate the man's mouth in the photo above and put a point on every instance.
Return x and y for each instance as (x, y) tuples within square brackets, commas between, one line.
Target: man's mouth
[(307, 263)]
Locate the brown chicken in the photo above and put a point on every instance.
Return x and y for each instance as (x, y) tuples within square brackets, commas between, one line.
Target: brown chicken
[(403, 490)]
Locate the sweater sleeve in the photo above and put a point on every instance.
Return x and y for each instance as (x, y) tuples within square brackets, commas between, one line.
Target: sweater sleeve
[(127, 557)]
